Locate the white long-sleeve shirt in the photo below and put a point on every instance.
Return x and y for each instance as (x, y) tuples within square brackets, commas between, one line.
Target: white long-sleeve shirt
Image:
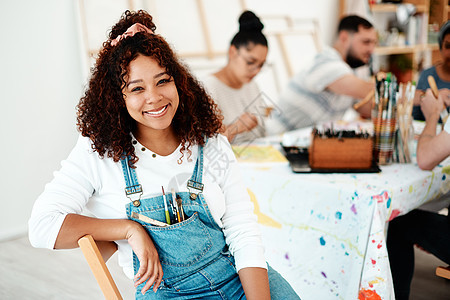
[(87, 184), (233, 102)]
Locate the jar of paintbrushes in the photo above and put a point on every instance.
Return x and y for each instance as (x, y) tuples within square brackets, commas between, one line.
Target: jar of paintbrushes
[(391, 116), (405, 132)]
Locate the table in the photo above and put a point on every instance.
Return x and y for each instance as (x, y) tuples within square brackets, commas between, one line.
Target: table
[(326, 233)]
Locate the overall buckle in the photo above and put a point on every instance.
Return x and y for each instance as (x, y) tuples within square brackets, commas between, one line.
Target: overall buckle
[(134, 193), (194, 188)]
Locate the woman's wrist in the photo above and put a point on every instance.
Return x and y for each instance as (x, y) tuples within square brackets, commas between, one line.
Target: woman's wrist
[(432, 117), (132, 228), (235, 128)]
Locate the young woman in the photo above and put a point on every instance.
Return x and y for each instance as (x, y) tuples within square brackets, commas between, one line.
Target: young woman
[(440, 72), (157, 180), (425, 229), (233, 88)]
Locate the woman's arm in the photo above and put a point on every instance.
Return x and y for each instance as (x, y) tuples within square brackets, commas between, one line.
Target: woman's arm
[(107, 249), (75, 226), (57, 222), (240, 227), (432, 148), (245, 122), (255, 283)]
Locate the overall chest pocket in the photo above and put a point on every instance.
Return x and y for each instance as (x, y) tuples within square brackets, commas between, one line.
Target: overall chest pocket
[(182, 244)]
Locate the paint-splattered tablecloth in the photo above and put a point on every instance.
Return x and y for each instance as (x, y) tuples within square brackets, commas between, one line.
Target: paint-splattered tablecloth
[(326, 232)]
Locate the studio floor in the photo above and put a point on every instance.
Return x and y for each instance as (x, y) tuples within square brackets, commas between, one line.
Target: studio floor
[(29, 273)]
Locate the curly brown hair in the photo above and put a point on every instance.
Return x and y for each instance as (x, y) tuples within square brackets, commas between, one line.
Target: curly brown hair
[(102, 115)]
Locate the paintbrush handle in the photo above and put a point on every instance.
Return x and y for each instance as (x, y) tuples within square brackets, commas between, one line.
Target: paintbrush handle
[(366, 99), (433, 86), (434, 89)]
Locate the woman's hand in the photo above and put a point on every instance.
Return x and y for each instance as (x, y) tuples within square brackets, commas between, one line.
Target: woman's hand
[(445, 95), (431, 107), (104, 231), (150, 267), (246, 122)]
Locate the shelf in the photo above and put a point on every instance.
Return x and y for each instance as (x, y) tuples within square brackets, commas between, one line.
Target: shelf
[(392, 8), (392, 50)]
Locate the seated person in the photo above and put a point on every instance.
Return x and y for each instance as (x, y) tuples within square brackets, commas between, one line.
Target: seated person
[(328, 88), (144, 120), (440, 72), (233, 87), (428, 230)]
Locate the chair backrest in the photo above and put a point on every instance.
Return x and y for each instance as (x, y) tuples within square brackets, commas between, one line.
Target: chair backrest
[(98, 266)]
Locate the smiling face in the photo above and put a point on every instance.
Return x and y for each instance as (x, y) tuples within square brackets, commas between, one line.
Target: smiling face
[(151, 96)]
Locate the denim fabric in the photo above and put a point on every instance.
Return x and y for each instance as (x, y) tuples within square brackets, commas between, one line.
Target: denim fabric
[(193, 253), (217, 280)]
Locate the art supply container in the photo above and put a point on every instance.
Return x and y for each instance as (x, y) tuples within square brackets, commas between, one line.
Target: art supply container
[(384, 135)]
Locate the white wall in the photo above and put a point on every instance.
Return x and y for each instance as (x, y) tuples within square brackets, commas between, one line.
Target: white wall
[(42, 79), (41, 83)]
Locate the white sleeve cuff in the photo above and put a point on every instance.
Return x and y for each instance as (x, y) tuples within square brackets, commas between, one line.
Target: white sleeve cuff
[(43, 234), (250, 257)]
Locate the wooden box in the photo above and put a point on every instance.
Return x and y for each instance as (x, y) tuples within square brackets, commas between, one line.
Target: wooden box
[(340, 153)]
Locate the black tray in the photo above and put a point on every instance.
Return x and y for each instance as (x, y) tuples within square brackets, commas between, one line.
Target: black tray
[(298, 160)]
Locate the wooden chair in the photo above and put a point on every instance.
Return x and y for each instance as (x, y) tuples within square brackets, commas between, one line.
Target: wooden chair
[(443, 272), (98, 266)]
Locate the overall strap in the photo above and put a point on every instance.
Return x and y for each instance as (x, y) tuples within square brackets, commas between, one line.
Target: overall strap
[(198, 170), (133, 189), (194, 184)]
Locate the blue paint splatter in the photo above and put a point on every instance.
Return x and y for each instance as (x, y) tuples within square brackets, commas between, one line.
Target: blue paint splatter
[(346, 253), (323, 274), (322, 241), (338, 215), (388, 203), (443, 177), (321, 217)]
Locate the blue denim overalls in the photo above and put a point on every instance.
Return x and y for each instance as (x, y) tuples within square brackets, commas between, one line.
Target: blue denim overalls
[(193, 253)]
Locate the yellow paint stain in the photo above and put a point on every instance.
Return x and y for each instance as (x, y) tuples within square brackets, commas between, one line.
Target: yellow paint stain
[(446, 170), (372, 282), (431, 183), (411, 189), (262, 218), (375, 281), (266, 220)]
